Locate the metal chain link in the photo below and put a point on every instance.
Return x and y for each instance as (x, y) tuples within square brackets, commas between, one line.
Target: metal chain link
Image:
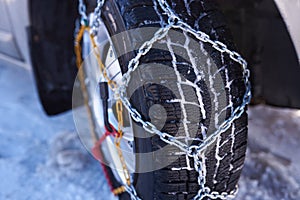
[(97, 16), (193, 151), (82, 11), (132, 192)]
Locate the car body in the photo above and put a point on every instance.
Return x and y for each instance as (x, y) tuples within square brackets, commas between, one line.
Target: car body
[(14, 47)]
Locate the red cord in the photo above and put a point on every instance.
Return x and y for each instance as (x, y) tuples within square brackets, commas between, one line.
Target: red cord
[(98, 155)]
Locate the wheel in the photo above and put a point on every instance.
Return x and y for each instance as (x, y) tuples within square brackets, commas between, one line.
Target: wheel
[(176, 94)]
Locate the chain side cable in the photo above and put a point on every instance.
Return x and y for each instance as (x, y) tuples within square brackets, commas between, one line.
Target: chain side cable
[(118, 136)]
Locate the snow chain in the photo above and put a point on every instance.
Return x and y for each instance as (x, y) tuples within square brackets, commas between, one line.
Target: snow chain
[(192, 151)]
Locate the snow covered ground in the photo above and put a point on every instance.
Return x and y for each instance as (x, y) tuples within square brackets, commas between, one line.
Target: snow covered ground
[(42, 157), (273, 158)]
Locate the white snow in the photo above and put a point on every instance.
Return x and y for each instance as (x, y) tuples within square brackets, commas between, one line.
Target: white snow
[(273, 158), (41, 157)]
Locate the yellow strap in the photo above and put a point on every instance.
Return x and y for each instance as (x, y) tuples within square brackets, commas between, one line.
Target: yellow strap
[(82, 82), (119, 190)]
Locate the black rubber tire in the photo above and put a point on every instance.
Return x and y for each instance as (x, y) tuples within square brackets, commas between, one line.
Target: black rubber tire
[(52, 52), (165, 183)]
